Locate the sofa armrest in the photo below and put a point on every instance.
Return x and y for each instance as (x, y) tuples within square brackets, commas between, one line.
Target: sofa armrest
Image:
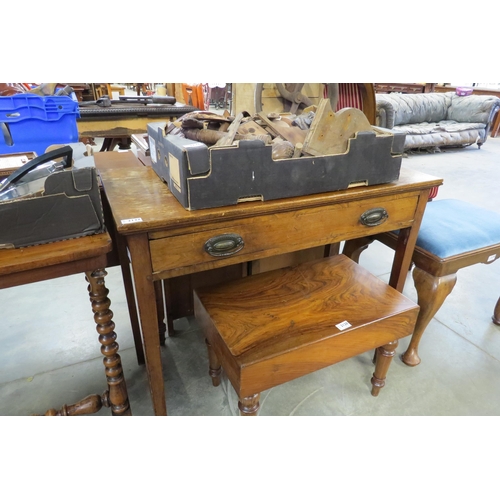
[(473, 108), (385, 114)]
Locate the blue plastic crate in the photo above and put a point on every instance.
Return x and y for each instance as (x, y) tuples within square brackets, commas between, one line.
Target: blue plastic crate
[(32, 123)]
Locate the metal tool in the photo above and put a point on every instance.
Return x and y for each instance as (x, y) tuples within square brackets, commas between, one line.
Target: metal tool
[(153, 99), (103, 102)]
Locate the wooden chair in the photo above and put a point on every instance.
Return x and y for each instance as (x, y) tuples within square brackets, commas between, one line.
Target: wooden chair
[(270, 328), (454, 234)]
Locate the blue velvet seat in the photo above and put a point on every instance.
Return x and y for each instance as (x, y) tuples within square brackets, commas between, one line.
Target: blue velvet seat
[(454, 234), (453, 227)]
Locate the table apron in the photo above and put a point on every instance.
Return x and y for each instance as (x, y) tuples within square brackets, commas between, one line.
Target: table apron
[(275, 234)]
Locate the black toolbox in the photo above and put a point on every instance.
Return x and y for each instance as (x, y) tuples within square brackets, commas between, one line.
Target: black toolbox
[(67, 206)]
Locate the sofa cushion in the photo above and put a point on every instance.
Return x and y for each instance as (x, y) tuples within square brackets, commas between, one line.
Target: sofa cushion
[(444, 133), (442, 126), (418, 108)]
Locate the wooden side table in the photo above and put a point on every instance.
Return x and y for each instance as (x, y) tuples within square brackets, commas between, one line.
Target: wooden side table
[(87, 255), (164, 240)]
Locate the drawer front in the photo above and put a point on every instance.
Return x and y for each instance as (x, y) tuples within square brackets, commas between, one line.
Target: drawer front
[(267, 235)]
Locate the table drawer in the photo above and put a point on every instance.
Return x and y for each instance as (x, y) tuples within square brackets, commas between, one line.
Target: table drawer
[(268, 235)]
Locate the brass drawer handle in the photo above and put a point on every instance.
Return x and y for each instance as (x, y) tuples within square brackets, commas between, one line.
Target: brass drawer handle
[(224, 245), (374, 217)]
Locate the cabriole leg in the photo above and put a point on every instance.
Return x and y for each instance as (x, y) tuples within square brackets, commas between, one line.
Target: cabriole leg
[(432, 292)]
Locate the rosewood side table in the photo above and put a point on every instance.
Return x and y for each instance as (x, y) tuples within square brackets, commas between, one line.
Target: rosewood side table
[(87, 255)]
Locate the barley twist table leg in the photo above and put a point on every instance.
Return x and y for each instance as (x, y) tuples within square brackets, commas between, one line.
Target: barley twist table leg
[(117, 389)]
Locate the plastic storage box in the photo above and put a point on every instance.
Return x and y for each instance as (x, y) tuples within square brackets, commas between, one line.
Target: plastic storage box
[(461, 91), (32, 123)]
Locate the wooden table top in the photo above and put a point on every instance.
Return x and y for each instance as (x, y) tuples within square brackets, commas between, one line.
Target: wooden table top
[(18, 260), (134, 191)]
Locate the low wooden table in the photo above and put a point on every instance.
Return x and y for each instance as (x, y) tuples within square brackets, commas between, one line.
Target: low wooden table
[(164, 240), (120, 121), (80, 255)]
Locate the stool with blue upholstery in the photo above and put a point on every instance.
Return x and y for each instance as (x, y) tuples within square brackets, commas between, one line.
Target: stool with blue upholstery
[(453, 234)]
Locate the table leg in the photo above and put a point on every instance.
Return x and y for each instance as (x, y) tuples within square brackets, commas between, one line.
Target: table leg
[(160, 309), (384, 357), (130, 295), (406, 245), (116, 395), (146, 299), (117, 388)]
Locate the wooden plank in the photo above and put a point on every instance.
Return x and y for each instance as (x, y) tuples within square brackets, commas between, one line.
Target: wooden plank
[(292, 134), (330, 132), (228, 139)]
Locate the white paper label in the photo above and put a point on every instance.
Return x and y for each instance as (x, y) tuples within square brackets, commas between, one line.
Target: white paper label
[(152, 149), (343, 325), (491, 258), (174, 172), (13, 162), (131, 221)]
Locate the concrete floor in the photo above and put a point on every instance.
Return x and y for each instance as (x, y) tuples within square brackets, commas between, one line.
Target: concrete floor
[(50, 354)]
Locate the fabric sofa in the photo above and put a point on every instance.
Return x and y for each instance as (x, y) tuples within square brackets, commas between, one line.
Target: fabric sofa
[(434, 120)]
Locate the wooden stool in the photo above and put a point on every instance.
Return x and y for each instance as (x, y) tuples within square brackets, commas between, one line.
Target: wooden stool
[(453, 234), (19, 266), (276, 326)]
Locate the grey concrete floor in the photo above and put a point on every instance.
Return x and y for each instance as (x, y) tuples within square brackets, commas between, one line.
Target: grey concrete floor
[(50, 354)]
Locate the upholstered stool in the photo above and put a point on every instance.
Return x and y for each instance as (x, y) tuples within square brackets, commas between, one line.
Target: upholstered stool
[(453, 234), (273, 327)]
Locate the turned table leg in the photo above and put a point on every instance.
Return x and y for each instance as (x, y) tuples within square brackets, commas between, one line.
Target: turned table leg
[(432, 292), (249, 406), (117, 388), (214, 365), (87, 406), (384, 357)]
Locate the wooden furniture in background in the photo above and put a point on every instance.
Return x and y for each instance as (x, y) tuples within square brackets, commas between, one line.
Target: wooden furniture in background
[(120, 122), (475, 90), (356, 95), (404, 88), (165, 240), (495, 128), (80, 255), (268, 329)]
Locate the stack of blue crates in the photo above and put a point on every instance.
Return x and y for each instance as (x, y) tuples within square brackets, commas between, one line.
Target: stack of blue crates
[(31, 123)]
